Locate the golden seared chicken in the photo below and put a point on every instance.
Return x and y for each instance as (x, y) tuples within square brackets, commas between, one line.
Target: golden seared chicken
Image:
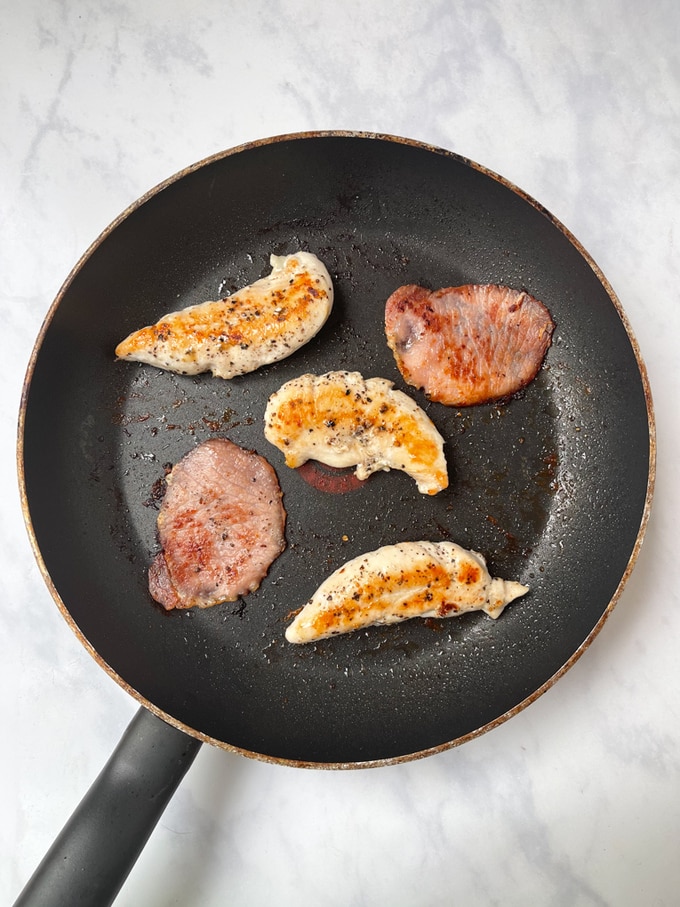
[(397, 582), (342, 419), (259, 324)]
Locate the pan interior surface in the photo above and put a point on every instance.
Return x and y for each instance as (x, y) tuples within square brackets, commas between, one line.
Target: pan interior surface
[(552, 486)]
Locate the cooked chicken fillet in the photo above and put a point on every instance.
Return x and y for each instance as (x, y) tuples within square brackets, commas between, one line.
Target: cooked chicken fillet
[(470, 344), (342, 419), (221, 526), (262, 323), (397, 582)]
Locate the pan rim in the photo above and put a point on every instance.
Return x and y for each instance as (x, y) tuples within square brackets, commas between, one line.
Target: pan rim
[(360, 135)]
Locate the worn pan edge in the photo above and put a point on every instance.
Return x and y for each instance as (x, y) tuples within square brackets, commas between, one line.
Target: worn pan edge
[(420, 754)]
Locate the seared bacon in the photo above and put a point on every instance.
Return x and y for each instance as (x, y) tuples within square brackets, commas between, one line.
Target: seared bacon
[(470, 344), (221, 526)]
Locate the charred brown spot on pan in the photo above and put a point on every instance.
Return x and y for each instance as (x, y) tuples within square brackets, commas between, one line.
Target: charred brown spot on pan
[(547, 477), (157, 494), (239, 609)]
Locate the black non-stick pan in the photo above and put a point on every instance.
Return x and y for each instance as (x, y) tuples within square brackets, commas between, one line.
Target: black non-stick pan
[(553, 487)]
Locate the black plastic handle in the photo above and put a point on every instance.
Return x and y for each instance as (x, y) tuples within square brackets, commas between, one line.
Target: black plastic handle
[(100, 843)]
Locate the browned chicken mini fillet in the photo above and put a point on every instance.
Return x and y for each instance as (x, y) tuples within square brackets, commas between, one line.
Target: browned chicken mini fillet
[(260, 324), (398, 582), (342, 419), (221, 526), (470, 344)]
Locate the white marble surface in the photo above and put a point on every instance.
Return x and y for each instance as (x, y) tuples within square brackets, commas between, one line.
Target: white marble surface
[(576, 801)]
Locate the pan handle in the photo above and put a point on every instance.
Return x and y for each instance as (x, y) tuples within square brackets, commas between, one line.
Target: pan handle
[(100, 843)]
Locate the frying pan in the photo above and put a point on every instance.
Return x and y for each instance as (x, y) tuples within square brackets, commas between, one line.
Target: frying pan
[(554, 486)]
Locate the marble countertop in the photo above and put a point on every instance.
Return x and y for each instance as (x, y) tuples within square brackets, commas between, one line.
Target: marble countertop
[(576, 800)]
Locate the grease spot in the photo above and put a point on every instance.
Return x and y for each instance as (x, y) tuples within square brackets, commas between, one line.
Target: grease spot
[(329, 479)]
